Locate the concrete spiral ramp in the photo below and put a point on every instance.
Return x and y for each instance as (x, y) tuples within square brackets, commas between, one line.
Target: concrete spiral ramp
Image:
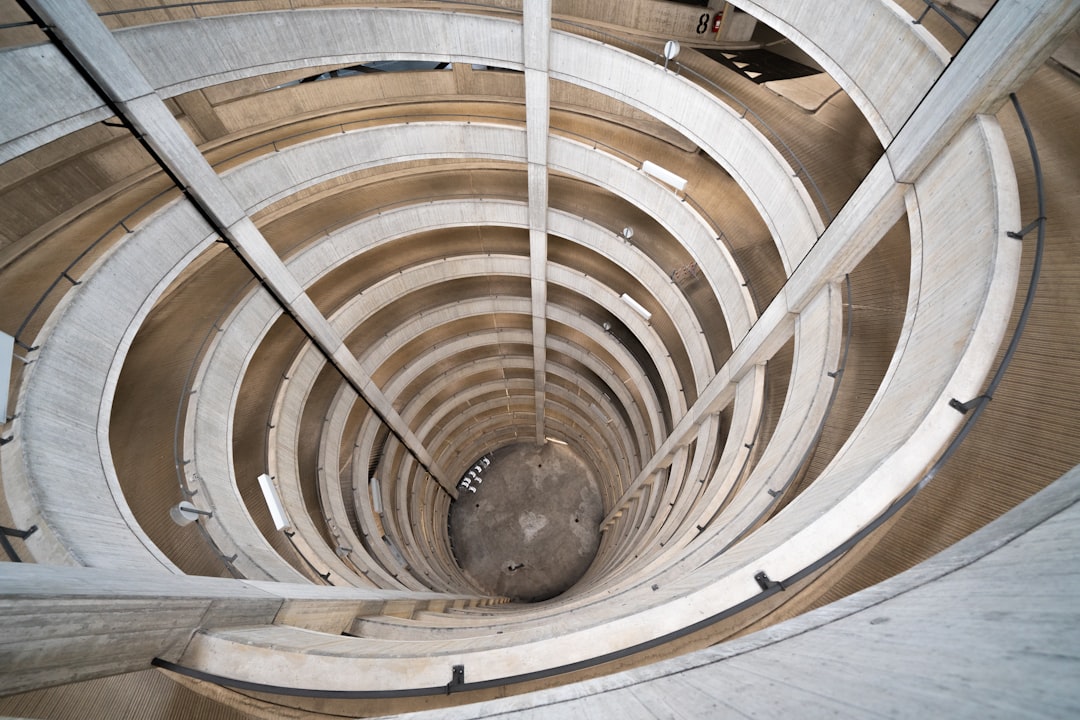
[(357, 249)]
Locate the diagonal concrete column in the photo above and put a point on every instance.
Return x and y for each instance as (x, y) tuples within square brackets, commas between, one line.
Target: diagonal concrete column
[(1013, 39), (537, 31), (108, 67)]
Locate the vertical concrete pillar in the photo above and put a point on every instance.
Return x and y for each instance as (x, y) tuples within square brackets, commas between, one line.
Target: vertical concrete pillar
[(537, 26)]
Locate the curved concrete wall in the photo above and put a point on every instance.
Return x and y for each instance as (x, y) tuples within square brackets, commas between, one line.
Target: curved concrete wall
[(886, 67), (66, 395), (909, 420), (237, 46), (962, 284), (884, 650)]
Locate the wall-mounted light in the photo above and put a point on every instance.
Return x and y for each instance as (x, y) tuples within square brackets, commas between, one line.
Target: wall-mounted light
[(376, 496), (277, 510), (636, 306), (663, 175), (185, 513), (556, 441), (7, 352)]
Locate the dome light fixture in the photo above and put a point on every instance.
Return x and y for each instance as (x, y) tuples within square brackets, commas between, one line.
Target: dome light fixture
[(185, 513), (671, 49)]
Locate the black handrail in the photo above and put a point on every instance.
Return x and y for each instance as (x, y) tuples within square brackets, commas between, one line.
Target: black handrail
[(9, 549), (66, 273), (931, 5)]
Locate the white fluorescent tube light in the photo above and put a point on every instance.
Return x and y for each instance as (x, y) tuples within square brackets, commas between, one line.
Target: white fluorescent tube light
[(376, 496), (556, 441), (277, 510), (637, 307), (7, 354), (666, 176)]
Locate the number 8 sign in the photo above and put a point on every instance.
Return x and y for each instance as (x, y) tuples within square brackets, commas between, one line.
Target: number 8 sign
[(703, 22)]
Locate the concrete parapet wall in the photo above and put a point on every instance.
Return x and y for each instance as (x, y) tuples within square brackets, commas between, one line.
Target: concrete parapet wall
[(66, 395), (908, 422), (870, 47)]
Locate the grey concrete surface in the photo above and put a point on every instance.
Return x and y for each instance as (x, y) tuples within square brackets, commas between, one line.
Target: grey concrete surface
[(948, 638), (532, 527), (790, 676), (63, 624)]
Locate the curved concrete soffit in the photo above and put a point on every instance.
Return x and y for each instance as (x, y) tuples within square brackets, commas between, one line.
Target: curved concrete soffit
[(359, 308), (263, 42), (225, 365), (283, 445), (716, 127), (647, 408)]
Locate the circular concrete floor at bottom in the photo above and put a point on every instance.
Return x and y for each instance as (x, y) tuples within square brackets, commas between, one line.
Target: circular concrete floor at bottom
[(532, 528)]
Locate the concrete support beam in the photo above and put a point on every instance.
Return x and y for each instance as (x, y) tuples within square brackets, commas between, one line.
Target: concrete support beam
[(1013, 40), (201, 114), (536, 16), (65, 624), (103, 59)]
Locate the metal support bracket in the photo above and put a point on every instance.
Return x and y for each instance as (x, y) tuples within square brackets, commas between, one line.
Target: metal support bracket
[(6, 532), (1026, 229), (964, 407), (765, 583), (457, 679)]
